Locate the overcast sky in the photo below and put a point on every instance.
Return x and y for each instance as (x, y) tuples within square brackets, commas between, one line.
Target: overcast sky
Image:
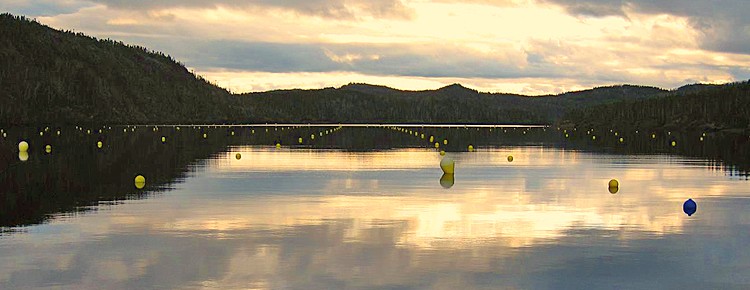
[(518, 46)]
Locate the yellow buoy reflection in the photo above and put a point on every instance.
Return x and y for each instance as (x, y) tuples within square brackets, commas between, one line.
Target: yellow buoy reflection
[(447, 180), (140, 182), (23, 156), (447, 165), (613, 190)]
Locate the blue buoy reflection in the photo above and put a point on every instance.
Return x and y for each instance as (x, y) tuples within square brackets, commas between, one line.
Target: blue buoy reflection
[(689, 207)]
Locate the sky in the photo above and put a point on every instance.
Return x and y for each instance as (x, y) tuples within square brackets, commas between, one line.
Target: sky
[(530, 47)]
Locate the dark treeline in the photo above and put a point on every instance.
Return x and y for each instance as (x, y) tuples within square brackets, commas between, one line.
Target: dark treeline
[(51, 76), (725, 107), (361, 103)]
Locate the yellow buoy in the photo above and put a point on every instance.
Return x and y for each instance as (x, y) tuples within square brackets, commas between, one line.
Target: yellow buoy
[(622, 140), (616, 133), (701, 139), (445, 142), (204, 135), (447, 165), (238, 156), (510, 158), (471, 148), (88, 131), (674, 143), (653, 136), (48, 148), (232, 133), (593, 137), (278, 145), (422, 136), (312, 137), (41, 133), (442, 153), (163, 139), (566, 135), (99, 144), (614, 183), (300, 140), (140, 182), (23, 156), (437, 145), (23, 146), (432, 139)]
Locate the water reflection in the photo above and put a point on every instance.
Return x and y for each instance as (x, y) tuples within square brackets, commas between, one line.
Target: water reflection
[(310, 218)]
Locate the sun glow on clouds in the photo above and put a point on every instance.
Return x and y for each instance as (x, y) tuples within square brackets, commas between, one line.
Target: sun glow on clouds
[(529, 47)]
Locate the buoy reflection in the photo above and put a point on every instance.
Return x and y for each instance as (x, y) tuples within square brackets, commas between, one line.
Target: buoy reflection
[(447, 180)]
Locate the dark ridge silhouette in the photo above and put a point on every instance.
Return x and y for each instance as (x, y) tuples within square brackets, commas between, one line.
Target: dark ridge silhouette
[(699, 107), (52, 76)]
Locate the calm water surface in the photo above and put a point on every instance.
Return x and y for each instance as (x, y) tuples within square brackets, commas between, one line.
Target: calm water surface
[(318, 217)]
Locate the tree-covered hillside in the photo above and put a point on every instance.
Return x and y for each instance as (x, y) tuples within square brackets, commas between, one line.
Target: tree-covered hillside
[(450, 104), (50, 76), (691, 107)]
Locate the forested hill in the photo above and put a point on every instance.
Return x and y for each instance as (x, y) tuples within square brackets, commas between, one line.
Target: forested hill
[(705, 107), (450, 104), (50, 76)]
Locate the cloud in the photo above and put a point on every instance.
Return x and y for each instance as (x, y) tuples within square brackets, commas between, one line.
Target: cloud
[(724, 23), (338, 9), (35, 8)]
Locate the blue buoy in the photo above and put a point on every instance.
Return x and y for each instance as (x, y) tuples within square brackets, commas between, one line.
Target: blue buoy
[(689, 207)]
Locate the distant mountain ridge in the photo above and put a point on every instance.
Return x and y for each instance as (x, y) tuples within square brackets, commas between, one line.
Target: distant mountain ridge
[(450, 104)]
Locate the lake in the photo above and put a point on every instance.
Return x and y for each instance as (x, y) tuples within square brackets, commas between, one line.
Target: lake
[(368, 207)]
